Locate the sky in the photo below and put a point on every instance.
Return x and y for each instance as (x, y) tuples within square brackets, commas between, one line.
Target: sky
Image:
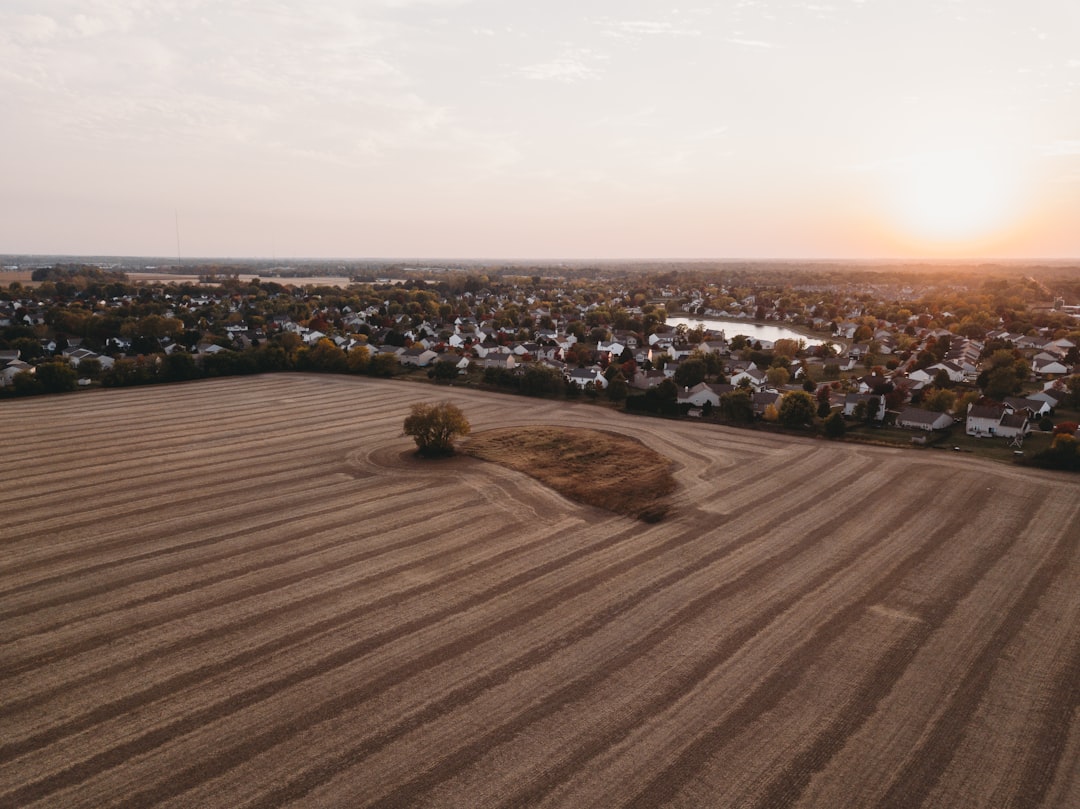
[(588, 129)]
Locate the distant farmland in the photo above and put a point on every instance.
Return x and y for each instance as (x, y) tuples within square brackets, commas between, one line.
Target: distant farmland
[(246, 593)]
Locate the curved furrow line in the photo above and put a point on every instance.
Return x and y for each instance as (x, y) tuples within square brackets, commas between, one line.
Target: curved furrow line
[(112, 612), (591, 626), (742, 488), (684, 767)]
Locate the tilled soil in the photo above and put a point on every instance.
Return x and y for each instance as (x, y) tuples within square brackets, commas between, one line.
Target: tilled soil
[(249, 593)]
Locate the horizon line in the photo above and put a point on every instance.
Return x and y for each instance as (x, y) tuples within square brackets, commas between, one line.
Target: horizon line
[(174, 261)]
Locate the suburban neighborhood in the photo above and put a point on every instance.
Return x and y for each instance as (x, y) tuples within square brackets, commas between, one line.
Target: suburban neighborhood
[(976, 354)]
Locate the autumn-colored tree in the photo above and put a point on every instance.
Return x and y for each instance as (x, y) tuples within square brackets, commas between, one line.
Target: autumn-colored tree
[(834, 426), (939, 400), (435, 426), (797, 409), (777, 377)]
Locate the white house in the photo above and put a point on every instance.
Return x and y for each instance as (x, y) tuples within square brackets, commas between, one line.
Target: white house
[(418, 356), (1045, 364), (703, 392), (583, 376), (852, 400), (995, 420), (754, 376)]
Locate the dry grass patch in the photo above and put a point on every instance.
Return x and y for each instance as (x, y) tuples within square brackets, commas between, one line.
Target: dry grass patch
[(607, 470)]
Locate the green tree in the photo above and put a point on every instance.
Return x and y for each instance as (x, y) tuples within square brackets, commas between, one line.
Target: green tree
[(939, 400), (1073, 385), (834, 426), (540, 380), (690, 372), (617, 389), (1001, 382), (737, 406), (444, 370), (383, 364), (90, 368), (797, 409), (824, 404), (325, 356), (26, 383), (435, 426), (56, 377), (777, 377)]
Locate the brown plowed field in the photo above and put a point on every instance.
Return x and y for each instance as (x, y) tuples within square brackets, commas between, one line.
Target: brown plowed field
[(248, 593)]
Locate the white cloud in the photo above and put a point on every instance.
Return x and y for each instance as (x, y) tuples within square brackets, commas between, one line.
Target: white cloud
[(28, 28), (571, 66), (750, 43), (625, 29)]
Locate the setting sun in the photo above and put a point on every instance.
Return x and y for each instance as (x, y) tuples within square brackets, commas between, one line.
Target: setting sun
[(954, 197)]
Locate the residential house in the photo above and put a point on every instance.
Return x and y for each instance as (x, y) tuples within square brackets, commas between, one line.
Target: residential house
[(915, 418), (12, 367), (583, 376), (703, 393), (852, 400), (418, 356), (995, 420), (502, 361), (1044, 364), (643, 380), (1035, 408), (927, 375), (753, 375), (760, 400), (1052, 396)]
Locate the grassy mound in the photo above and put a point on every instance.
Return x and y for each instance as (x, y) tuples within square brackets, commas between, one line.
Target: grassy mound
[(602, 469)]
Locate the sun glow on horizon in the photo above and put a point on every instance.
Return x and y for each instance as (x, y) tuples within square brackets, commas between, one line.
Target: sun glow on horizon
[(955, 199)]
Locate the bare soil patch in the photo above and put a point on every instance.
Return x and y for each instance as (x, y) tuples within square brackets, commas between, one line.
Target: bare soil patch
[(603, 469)]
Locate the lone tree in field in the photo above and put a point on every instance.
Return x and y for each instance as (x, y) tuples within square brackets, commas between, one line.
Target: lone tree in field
[(435, 426)]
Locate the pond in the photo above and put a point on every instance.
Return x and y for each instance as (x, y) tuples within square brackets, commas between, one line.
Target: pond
[(755, 331)]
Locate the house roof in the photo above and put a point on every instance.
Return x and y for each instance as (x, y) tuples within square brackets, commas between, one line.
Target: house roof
[(1014, 420), (990, 411), (916, 415), (1020, 403)]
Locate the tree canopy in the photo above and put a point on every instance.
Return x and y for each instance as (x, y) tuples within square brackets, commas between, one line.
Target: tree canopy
[(435, 426)]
